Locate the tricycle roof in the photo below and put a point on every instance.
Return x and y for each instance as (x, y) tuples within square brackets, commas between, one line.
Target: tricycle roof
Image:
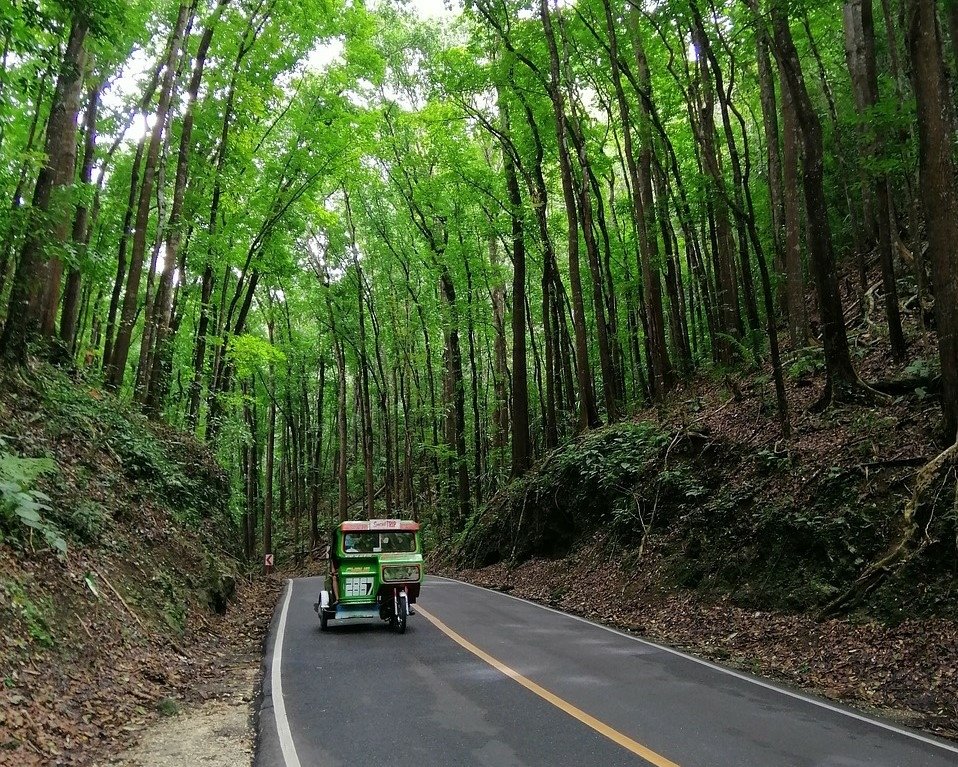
[(379, 524)]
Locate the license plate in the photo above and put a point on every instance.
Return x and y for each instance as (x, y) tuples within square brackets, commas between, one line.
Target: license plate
[(359, 587)]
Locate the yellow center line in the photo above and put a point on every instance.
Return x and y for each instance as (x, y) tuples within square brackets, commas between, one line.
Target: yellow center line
[(587, 719)]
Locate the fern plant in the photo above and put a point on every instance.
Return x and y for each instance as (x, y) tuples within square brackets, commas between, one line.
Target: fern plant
[(21, 505)]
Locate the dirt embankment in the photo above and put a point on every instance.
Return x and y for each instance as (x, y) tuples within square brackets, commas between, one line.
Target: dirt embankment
[(700, 526), (121, 598)]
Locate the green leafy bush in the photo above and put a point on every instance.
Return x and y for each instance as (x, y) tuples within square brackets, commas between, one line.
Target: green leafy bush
[(807, 362), (172, 469), (87, 521), (23, 509), (605, 478)]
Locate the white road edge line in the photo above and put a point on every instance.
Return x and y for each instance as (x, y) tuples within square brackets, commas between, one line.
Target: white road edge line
[(728, 671), (290, 757)]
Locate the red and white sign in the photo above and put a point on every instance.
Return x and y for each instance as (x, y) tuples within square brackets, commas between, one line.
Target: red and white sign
[(269, 560), (378, 524)]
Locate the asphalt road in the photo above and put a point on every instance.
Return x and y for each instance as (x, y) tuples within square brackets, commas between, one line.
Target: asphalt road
[(481, 678)]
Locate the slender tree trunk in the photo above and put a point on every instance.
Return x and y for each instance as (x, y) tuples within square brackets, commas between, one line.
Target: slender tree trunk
[(794, 279), (366, 420), (270, 458), (121, 350), (678, 330), (317, 459), (252, 483), (13, 232), (607, 369), (81, 229), (455, 401), (551, 403), (500, 379), (521, 448), (863, 227), (588, 415), (643, 203), (122, 258), (154, 383), (859, 27), (735, 198), (727, 293), (766, 80), (478, 443), (341, 425)]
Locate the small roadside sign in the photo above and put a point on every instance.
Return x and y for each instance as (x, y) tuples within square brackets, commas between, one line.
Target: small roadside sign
[(269, 560)]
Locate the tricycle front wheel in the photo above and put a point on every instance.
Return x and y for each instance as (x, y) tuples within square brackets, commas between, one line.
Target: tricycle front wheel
[(399, 619)]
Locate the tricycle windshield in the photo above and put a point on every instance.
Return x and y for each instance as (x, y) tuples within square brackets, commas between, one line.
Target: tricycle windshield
[(378, 542)]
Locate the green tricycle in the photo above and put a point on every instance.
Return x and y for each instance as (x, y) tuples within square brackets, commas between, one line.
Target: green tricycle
[(375, 571)]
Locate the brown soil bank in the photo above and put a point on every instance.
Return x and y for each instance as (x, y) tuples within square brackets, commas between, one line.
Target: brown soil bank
[(121, 596)]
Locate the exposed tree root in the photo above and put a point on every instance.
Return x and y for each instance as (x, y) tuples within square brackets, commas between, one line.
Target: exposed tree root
[(907, 547), (849, 392), (907, 386)]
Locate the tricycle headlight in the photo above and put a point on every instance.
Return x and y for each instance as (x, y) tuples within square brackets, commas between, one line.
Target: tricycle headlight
[(392, 573)]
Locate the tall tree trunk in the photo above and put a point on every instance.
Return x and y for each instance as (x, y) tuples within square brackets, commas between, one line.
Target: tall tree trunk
[(366, 419), (735, 199), (122, 258), (859, 27), (791, 208), (252, 474), (538, 196), (843, 382), (35, 292), (500, 370), (521, 448), (270, 458), (766, 80), (863, 227), (727, 293), (937, 168), (678, 330), (12, 233), (478, 442), (154, 383), (455, 401), (199, 349), (317, 457), (643, 203), (339, 353), (606, 367)]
